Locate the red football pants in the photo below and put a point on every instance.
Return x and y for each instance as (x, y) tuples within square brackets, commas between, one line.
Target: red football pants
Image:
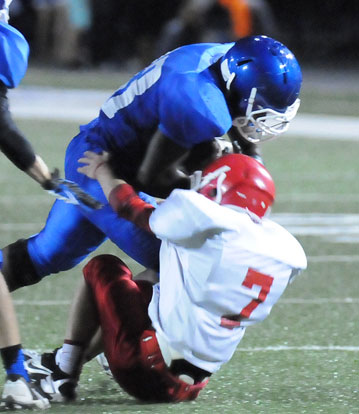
[(130, 342)]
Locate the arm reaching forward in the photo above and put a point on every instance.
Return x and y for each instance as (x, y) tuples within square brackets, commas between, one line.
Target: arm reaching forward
[(121, 196)]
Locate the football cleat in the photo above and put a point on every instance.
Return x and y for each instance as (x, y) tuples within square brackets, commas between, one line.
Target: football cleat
[(33, 365), (102, 360), (54, 383), (20, 394)]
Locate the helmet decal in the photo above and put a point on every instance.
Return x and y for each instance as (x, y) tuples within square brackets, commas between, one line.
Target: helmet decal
[(226, 73), (239, 182), (251, 101), (222, 176)]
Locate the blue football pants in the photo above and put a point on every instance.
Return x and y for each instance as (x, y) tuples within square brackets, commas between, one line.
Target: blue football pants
[(71, 233)]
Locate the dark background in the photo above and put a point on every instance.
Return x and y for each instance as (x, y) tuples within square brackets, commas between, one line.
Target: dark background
[(319, 32)]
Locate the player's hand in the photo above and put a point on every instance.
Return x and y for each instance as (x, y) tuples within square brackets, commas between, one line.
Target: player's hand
[(224, 146), (93, 163), (258, 158), (70, 192)]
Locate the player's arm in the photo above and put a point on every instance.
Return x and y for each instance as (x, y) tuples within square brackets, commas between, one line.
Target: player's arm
[(16, 147), (19, 150), (160, 170), (121, 196), (244, 146), (168, 165)]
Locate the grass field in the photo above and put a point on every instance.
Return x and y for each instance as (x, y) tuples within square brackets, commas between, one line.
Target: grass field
[(304, 358)]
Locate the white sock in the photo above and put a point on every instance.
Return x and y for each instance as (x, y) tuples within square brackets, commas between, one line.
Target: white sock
[(68, 358)]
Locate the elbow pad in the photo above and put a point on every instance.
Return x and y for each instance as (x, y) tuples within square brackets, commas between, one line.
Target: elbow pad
[(14, 53)]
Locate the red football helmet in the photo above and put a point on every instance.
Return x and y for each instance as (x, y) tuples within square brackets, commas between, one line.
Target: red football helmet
[(239, 180)]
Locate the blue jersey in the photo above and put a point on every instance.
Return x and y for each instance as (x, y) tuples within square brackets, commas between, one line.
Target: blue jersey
[(14, 53), (176, 93)]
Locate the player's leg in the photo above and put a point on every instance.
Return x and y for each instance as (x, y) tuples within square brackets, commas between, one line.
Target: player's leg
[(65, 363), (130, 343), (131, 347), (71, 233), (140, 245), (10, 347), (67, 238), (123, 312), (106, 292), (96, 346), (17, 392), (8, 322)]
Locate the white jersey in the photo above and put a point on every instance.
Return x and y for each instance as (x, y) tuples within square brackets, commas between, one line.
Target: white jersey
[(219, 272)]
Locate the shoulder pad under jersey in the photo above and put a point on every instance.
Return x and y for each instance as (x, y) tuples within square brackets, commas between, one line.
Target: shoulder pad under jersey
[(14, 53)]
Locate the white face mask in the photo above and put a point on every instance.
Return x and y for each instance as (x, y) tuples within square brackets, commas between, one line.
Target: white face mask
[(266, 123)]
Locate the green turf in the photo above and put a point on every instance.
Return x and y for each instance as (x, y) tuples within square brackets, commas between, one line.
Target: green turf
[(78, 79), (312, 176)]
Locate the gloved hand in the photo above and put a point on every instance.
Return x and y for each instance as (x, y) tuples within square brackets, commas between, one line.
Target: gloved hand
[(70, 192)]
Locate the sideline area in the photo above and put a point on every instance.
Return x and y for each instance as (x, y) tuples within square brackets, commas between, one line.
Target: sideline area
[(82, 106)]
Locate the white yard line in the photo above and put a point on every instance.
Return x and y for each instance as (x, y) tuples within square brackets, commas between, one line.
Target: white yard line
[(335, 227), (325, 127), (9, 227), (284, 301), (301, 348), (22, 302), (333, 259), (318, 301), (297, 197), (83, 105), (318, 197)]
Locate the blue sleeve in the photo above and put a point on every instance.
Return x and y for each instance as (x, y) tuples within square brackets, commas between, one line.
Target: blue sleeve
[(14, 53), (192, 111)]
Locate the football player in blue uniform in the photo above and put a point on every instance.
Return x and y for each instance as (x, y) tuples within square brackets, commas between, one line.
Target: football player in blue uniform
[(14, 50), (158, 128)]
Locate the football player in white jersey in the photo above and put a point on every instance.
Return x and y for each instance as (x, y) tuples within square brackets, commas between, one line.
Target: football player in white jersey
[(223, 265)]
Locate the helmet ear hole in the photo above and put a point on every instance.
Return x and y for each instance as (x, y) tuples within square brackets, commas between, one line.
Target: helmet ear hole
[(243, 62), (213, 192)]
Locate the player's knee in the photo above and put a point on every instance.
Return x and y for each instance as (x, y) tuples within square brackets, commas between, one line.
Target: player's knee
[(105, 265), (17, 268)]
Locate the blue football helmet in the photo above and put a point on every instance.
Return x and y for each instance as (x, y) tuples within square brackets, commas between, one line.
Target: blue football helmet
[(265, 78)]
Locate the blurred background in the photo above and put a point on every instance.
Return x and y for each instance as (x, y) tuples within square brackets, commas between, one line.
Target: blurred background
[(305, 357), (76, 34)]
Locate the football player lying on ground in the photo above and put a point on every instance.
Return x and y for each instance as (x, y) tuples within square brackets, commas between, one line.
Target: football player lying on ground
[(223, 266), (170, 111)]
